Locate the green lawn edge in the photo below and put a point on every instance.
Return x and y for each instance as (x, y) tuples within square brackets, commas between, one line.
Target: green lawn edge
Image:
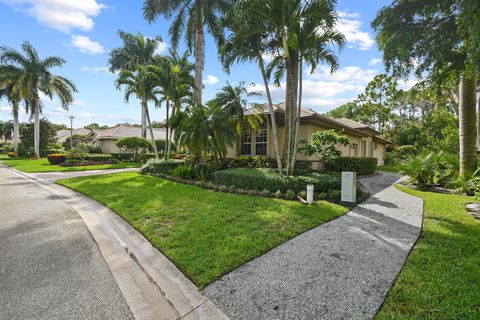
[(441, 277), (206, 234)]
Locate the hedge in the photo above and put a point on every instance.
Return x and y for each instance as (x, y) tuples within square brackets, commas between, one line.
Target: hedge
[(46, 152), (154, 167), (362, 166), (56, 158), (269, 179)]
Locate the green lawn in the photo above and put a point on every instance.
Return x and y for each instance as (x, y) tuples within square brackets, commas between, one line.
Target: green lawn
[(441, 278), (205, 233), (388, 168), (42, 165)]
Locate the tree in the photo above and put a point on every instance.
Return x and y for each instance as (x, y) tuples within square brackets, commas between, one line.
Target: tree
[(47, 134), (10, 89), (324, 145), (300, 32), (136, 50), (433, 38), (95, 126), (191, 17), (132, 146), (34, 77), (140, 83)]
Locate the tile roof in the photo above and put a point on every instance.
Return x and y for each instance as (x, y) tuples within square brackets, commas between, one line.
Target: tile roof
[(123, 131)]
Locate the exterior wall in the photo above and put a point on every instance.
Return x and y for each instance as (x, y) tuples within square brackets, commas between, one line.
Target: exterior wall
[(359, 147), (108, 146)]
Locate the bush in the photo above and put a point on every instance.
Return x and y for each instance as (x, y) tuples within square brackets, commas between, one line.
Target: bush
[(362, 166), (94, 149), (78, 152), (155, 167), (268, 179), (56, 158), (184, 172), (11, 155), (251, 162), (161, 146), (133, 146), (77, 139), (97, 157), (303, 165)]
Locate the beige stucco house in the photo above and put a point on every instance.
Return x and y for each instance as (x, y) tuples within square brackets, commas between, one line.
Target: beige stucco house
[(364, 141)]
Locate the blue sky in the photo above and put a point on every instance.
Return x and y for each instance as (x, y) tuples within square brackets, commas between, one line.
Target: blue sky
[(84, 32)]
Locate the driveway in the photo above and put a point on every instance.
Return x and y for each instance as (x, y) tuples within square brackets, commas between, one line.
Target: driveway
[(342, 269), (50, 267)]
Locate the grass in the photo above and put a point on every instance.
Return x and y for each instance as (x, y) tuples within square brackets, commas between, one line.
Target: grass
[(388, 168), (42, 165), (441, 278), (205, 233)]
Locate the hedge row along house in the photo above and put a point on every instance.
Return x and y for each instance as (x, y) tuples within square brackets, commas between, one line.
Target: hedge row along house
[(364, 140)]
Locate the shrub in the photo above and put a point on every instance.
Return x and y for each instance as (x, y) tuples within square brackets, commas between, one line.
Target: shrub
[(77, 139), (324, 144), (303, 165), (268, 179), (97, 157), (11, 155), (362, 166), (56, 158), (184, 172), (78, 152), (133, 146), (290, 195), (155, 167), (94, 149), (251, 162), (46, 152), (161, 146)]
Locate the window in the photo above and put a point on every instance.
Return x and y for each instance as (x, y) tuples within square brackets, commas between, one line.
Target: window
[(246, 149), (261, 141), (375, 146), (355, 149)]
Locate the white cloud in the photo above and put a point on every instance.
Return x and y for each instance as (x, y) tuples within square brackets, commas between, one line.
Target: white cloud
[(210, 80), (161, 47), (80, 104), (407, 84), (351, 74), (61, 15), (350, 25), (96, 70), (5, 109), (85, 45), (374, 62)]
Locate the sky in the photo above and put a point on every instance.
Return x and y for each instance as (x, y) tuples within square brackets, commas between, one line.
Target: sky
[(84, 32)]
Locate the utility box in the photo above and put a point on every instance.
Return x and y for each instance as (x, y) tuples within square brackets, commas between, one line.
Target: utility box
[(349, 188)]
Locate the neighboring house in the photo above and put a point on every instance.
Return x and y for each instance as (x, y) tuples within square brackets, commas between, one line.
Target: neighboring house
[(364, 141), (63, 134), (106, 139)]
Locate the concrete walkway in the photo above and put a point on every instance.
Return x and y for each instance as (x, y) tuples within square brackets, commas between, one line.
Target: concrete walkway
[(340, 270), (51, 177), (50, 267), (153, 288)]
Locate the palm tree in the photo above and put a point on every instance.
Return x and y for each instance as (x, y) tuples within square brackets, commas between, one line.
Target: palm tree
[(243, 45), (140, 83), (190, 19), (298, 31), (136, 50), (11, 91), (34, 77)]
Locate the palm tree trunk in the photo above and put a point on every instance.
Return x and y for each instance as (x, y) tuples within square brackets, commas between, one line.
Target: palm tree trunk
[(292, 89), (478, 118), (297, 118), (36, 129), (152, 137), (467, 123), (272, 114), (166, 156), (15, 130), (170, 137), (144, 126), (198, 53)]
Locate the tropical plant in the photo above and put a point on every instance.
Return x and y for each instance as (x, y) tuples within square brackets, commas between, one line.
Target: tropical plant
[(190, 19), (442, 50), (34, 77), (206, 130), (136, 50), (140, 83), (324, 145)]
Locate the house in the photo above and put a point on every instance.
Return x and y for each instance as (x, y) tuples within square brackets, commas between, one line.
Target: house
[(364, 140), (106, 139), (63, 134)]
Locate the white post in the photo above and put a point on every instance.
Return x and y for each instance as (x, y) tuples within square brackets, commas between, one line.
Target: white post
[(349, 188), (309, 193)]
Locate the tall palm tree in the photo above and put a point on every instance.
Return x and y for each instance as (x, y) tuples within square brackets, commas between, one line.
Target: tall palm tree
[(298, 31), (10, 89), (136, 50), (140, 83), (190, 19), (243, 45), (34, 77)]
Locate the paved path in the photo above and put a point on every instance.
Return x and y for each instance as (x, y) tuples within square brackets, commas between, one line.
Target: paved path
[(51, 177), (50, 267), (340, 270)]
